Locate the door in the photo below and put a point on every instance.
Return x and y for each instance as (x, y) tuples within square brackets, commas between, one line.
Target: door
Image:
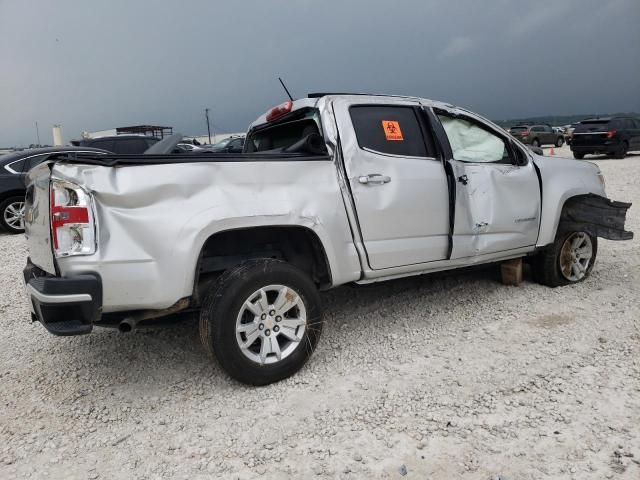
[(398, 185), (549, 135), (497, 206)]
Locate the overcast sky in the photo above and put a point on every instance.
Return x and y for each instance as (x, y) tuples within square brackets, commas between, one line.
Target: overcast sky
[(92, 65)]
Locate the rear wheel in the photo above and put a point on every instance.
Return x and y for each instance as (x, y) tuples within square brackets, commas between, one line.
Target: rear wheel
[(12, 214), (559, 142), (569, 260), (535, 142), (578, 156), (262, 321), (622, 151)]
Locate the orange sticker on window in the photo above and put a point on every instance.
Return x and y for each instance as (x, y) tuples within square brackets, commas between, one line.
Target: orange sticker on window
[(392, 130)]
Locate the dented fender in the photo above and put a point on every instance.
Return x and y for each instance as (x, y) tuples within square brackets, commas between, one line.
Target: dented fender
[(597, 215)]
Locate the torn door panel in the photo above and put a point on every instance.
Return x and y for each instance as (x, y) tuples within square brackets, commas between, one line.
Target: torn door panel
[(497, 209), (598, 215)]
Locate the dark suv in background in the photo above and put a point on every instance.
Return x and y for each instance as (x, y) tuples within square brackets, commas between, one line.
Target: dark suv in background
[(614, 136), (537, 135), (13, 169), (121, 144)]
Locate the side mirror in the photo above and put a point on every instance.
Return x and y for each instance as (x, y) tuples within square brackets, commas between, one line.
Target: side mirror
[(536, 150)]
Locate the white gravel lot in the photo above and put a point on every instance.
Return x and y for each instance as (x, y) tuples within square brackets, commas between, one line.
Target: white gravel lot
[(439, 377)]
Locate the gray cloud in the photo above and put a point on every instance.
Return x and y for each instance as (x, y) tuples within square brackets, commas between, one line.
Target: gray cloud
[(100, 64)]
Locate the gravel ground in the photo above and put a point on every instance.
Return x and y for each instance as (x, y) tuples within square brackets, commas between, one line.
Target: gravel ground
[(447, 376)]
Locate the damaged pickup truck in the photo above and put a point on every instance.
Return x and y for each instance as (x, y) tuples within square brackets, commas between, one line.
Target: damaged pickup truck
[(330, 189)]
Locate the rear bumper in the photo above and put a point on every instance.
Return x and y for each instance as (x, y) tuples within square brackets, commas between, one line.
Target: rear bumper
[(594, 149), (64, 306), (606, 147)]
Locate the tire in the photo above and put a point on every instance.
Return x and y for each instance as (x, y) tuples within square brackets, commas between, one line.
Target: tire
[(232, 308), (559, 142), (554, 266), (622, 151), (578, 156), (535, 142), (12, 214)]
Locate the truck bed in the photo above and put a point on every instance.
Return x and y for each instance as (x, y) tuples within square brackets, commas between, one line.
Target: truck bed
[(155, 212)]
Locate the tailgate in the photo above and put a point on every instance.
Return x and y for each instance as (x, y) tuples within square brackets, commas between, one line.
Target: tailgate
[(588, 139), (36, 219)]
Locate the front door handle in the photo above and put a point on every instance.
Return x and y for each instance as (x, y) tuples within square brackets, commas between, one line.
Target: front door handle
[(374, 179)]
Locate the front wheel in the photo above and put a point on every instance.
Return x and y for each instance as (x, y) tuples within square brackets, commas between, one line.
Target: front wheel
[(578, 156), (12, 214), (262, 320), (569, 260), (559, 142), (535, 142)]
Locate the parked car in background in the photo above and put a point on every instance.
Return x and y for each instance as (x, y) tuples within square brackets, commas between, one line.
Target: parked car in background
[(537, 135), (329, 190), (13, 169), (228, 145), (121, 144), (613, 136), (187, 148), (558, 130)]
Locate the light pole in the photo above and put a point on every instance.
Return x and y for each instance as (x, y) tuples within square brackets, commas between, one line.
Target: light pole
[(37, 133), (206, 114)]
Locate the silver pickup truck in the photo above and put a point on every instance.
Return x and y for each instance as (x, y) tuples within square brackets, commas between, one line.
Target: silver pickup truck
[(330, 189)]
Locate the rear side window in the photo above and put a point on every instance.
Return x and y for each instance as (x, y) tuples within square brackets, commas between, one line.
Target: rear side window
[(33, 161), (391, 130), (17, 166), (103, 144), (130, 146), (150, 141)]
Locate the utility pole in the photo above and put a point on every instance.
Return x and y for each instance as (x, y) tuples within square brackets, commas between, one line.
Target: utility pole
[(206, 113), (37, 133)]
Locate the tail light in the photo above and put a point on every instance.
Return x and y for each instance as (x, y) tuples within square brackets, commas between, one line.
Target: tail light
[(525, 133), (280, 110), (611, 133), (72, 223)]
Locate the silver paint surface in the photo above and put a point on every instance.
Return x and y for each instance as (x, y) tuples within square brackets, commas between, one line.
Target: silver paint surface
[(153, 220)]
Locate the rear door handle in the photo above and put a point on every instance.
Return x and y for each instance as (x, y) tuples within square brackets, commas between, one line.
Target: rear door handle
[(374, 179), (463, 179)]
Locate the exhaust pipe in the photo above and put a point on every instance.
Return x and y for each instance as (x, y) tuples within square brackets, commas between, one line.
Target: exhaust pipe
[(127, 325)]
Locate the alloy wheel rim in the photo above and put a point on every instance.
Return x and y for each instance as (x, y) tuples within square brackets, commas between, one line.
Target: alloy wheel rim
[(14, 215), (575, 256), (271, 324)]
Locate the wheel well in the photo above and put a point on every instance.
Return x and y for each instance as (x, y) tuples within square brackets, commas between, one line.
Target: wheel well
[(12, 193), (299, 246)]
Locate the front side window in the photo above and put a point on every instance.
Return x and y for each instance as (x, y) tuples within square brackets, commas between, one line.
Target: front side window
[(393, 130), (471, 143)]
